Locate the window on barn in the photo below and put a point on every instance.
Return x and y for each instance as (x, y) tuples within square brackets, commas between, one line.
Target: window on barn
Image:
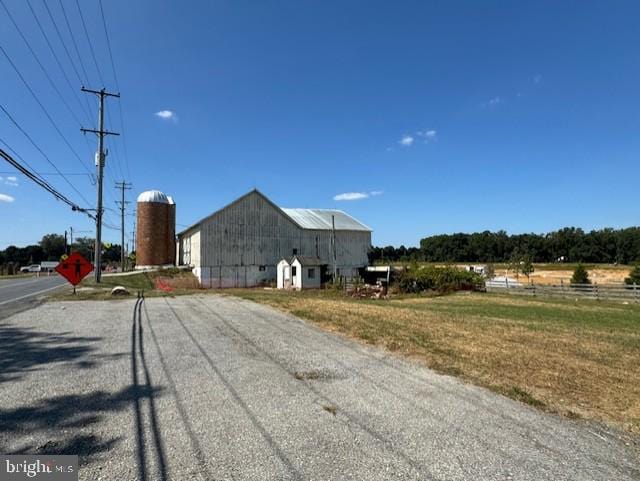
[(293, 270), (262, 268), (312, 273), (295, 252)]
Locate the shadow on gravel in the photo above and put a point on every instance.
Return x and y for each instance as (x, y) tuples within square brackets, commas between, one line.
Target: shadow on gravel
[(67, 421), (23, 349)]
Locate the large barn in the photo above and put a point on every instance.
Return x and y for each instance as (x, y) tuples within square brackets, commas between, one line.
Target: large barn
[(241, 244)]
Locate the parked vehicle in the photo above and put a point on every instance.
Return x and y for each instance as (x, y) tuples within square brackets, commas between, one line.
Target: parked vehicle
[(31, 268)]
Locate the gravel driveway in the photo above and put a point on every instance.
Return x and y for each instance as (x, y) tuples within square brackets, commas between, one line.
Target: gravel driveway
[(212, 387)]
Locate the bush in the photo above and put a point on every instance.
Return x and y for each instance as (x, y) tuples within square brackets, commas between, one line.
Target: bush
[(580, 275), (442, 279), (634, 276)]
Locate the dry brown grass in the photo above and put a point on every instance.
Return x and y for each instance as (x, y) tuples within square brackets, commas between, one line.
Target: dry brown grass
[(601, 275), (580, 360)]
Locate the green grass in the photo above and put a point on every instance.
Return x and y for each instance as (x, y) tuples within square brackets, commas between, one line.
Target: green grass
[(139, 281)]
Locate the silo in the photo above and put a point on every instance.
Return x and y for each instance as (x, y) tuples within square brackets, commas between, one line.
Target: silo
[(171, 231), (155, 226)]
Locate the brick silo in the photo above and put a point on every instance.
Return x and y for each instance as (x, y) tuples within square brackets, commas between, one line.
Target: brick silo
[(155, 230)]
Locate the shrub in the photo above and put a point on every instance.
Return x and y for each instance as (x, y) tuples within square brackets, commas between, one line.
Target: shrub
[(442, 279), (634, 276), (580, 275)]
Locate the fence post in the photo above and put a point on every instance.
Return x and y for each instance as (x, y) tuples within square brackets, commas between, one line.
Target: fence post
[(597, 293), (534, 288), (562, 286), (635, 290)]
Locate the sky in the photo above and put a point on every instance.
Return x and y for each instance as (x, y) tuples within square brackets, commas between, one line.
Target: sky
[(416, 117)]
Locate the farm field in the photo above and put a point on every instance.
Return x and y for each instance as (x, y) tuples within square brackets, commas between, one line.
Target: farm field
[(575, 359), (555, 274)]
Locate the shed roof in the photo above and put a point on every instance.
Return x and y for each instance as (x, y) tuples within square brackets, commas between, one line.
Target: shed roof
[(307, 260), (320, 219)]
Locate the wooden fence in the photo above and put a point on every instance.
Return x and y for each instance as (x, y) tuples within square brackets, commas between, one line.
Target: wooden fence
[(609, 292)]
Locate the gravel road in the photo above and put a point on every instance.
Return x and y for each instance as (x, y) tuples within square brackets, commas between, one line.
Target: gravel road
[(211, 387)]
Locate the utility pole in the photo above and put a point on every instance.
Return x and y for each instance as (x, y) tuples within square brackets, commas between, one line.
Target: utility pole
[(333, 247), (123, 203), (70, 240), (100, 160), (133, 234)]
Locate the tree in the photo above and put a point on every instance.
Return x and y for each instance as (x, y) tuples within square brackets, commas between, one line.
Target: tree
[(634, 276), (580, 275), (53, 246), (526, 266), (515, 263)]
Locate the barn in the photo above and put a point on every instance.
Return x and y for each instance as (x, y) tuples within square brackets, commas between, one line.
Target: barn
[(241, 244)]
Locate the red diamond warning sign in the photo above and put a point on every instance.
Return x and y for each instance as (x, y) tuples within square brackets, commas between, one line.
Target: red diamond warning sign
[(74, 268)]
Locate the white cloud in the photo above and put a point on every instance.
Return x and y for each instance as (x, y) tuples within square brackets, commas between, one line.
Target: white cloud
[(357, 195), (537, 79), (428, 135), (351, 196), (406, 141), (12, 180), (495, 100), (6, 198), (166, 115)]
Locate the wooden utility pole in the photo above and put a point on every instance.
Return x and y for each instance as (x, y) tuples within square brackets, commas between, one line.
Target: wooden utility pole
[(123, 203), (333, 246), (100, 161)]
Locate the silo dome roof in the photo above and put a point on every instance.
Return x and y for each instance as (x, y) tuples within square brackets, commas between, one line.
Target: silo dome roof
[(153, 196)]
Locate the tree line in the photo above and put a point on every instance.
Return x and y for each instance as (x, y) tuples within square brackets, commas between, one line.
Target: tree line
[(570, 244), (51, 248)]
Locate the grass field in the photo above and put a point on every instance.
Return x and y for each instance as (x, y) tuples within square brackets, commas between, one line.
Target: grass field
[(180, 282), (577, 359)]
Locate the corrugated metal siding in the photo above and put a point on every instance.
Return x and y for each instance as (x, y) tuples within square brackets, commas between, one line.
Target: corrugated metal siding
[(249, 232), (233, 243)]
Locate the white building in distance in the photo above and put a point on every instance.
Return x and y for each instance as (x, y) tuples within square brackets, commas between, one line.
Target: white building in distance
[(241, 244)]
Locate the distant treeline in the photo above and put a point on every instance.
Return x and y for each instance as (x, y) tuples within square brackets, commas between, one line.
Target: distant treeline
[(570, 244), (51, 248)]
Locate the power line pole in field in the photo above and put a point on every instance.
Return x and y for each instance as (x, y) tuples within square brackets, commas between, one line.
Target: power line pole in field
[(123, 203), (100, 161)]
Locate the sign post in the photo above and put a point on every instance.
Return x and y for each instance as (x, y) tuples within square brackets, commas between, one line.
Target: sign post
[(74, 268)]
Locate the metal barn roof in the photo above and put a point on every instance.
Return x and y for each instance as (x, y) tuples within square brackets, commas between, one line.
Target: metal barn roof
[(320, 219), (316, 219)]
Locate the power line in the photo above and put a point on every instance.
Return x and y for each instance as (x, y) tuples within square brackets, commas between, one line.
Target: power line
[(5, 172), (93, 54), (42, 152), (37, 59), (55, 56), (73, 40), (64, 46), (115, 77), (45, 185), (46, 112)]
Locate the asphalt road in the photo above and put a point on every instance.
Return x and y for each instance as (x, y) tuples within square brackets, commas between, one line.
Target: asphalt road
[(209, 387), (19, 289)]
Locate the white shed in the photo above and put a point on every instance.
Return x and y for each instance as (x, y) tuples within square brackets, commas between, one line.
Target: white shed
[(284, 275), (305, 272)]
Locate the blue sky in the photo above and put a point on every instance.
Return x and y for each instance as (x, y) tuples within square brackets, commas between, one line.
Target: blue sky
[(439, 116)]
